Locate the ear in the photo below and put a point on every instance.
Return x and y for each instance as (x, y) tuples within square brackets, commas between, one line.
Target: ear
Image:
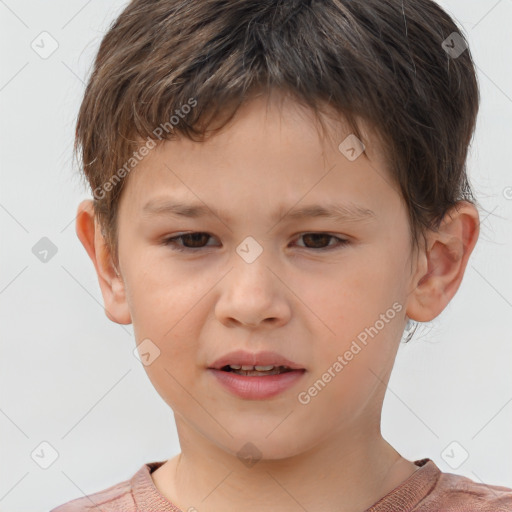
[(111, 283), (442, 262)]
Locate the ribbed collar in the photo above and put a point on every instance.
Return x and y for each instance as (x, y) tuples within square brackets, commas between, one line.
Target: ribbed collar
[(404, 497)]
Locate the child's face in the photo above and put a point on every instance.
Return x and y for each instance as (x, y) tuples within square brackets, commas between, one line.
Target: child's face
[(306, 298)]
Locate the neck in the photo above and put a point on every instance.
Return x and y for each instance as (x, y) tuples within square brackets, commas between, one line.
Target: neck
[(331, 476)]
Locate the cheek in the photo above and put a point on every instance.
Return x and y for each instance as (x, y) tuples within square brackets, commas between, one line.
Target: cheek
[(164, 308), (166, 315), (353, 293), (360, 315)]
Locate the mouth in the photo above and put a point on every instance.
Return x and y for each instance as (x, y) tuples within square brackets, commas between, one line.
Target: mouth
[(256, 376)]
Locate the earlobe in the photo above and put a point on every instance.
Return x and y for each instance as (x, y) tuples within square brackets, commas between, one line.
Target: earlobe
[(445, 256), (111, 283)]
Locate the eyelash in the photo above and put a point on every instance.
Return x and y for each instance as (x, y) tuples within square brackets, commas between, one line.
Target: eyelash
[(172, 242)]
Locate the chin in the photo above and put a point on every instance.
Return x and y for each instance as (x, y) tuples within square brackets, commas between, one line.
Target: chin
[(252, 446)]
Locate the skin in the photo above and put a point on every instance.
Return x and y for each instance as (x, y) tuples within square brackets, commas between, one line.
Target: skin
[(303, 302)]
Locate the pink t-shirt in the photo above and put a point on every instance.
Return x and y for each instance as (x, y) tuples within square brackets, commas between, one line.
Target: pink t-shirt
[(426, 490)]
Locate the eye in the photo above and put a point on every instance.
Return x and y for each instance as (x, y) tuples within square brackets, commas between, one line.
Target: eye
[(317, 239), (197, 240)]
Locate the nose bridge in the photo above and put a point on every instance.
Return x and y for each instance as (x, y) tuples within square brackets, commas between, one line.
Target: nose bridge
[(251, 273), (251, 292)]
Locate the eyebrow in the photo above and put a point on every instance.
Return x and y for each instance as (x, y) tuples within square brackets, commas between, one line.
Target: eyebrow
[(349, 212)]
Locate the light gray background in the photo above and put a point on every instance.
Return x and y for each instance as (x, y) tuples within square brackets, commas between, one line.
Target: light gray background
[(68, 374)]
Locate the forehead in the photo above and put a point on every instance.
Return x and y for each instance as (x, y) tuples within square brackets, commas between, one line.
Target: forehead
[(269, 153)]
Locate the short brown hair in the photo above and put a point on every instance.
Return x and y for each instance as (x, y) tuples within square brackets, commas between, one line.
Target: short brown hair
[(383, 61)]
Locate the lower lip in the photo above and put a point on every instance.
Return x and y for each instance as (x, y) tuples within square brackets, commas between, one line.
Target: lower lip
[(257, 388)]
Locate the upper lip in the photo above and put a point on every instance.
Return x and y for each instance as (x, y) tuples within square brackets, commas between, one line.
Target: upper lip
[(242, 357)]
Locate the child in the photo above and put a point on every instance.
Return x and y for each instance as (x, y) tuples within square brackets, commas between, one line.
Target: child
[(279, 189)]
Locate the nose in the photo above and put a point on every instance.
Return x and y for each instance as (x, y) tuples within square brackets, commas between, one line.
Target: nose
[(252, 295)]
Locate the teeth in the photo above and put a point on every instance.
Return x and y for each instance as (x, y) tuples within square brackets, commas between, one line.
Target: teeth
[(250, 367)]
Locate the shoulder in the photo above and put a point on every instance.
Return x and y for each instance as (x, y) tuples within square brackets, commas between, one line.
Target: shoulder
[(116, 498), (455, 493)]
